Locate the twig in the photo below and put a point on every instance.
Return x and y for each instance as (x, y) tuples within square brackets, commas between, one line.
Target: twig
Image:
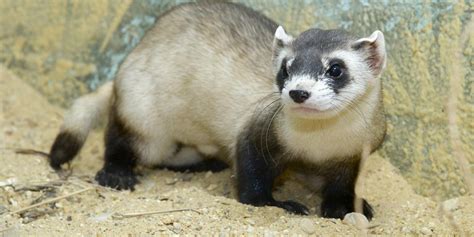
[(118, 215), (31, 152), (39, 187), (51, 200)]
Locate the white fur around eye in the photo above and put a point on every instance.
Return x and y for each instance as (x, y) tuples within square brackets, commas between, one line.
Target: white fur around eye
[(354, 62)]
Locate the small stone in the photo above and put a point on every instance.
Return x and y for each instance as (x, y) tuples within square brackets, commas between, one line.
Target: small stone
[(208, 174), (3, 209), (426, 231), (102, 217), (451, 204), (211, 187), (9, 189), (8, 182), (170, 181), (307, 226), (69, 218), (187, 177), (406, 229), (356, 219), (13, 202), (177, 225), (250, 222)]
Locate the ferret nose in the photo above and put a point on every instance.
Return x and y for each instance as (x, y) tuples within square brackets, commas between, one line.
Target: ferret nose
[(299, 96)]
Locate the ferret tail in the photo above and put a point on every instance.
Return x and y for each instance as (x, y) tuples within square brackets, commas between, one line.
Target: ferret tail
[(84, 114)]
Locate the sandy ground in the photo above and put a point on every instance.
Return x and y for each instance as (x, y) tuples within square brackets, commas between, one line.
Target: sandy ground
[(27, 120)]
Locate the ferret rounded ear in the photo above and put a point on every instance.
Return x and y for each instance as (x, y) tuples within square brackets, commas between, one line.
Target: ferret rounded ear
[(374, 51), (281, 47)]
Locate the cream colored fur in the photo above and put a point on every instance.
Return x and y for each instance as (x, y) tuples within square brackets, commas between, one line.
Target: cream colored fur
[(200, 87), (87, 111)]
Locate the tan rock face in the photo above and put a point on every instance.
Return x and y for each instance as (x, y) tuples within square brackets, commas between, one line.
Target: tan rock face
[(66, 48)]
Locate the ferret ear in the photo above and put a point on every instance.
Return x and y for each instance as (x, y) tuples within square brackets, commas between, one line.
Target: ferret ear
[(281, 47), (373, 48)]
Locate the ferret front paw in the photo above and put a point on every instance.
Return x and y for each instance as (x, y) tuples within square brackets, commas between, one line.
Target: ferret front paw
[(338, 208), (117, 178)]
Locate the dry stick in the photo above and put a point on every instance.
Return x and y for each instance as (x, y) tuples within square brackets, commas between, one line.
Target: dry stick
[(31, 152), (155, 212), (51, 200)]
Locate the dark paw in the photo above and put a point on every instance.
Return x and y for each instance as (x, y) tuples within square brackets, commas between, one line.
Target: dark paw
[(292, 207), (338, 208), (213, 165), (118, 179)]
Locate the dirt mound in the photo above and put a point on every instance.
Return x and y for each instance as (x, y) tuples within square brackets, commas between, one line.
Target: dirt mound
[(193, 203)]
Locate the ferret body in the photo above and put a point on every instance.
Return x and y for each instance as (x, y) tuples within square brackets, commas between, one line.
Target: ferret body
[(221, 80)]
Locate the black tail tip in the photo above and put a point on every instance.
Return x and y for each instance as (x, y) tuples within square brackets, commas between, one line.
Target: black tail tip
[(64, 149)]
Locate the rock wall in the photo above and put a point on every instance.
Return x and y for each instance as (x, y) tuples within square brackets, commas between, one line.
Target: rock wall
[(66, 48)]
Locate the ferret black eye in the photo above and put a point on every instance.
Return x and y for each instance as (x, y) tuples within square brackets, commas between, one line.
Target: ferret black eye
[(284, 69), (335, 71)]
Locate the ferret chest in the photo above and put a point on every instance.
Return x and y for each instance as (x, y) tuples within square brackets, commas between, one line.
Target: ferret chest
[(316, 142)]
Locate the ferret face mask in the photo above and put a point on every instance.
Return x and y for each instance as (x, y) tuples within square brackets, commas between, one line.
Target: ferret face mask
[(323, 72)]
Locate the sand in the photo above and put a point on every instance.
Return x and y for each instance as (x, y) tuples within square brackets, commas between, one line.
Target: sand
[(204, 203)]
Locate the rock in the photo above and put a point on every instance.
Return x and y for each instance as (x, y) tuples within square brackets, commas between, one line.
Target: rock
[(307, 226), (208, 174), (187, 177), (211, 187), (451, 204), (171, 181), (426, 231), (3, 209), (102, 217), (177, 226), (8, 182), (356, 219), (406, 229)]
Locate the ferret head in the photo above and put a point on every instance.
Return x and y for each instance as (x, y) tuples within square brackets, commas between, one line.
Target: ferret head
[(323, 72)]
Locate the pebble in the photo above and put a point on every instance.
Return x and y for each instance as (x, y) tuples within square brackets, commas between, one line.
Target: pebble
[(211, 187), (3, 209), (451, 204), (13, 202), (307, 226), (8, 182), (177, 225), (406, 229), (250, 222), (426, 231), (102, 217), (356, 219), (187, 177), (171, 181), (208, 174)]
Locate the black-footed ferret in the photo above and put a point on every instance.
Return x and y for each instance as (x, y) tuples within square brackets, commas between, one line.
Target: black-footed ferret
[(207, 79)]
